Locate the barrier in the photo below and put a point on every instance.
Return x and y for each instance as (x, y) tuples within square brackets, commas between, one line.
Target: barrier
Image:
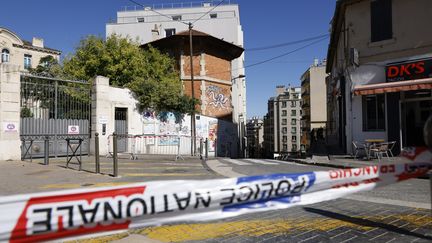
[(71, 213), (140, 145)]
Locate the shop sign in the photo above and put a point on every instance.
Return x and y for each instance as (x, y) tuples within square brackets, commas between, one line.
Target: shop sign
[(73, 129), (402, 71), (10, 127)]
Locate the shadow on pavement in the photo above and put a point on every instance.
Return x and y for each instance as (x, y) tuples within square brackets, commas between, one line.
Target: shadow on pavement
[(366, 222)]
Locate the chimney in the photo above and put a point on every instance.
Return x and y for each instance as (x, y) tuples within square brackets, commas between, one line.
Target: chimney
[(38, 42), (280, 89), (316, 61)]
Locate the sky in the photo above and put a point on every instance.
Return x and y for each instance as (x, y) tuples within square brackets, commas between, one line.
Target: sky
[(62, 24)]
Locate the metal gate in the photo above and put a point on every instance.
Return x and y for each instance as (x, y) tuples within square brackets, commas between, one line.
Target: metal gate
[(121, 129), (55, 110)]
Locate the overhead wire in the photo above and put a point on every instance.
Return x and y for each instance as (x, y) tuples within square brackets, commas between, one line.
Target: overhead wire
[(286, 43)]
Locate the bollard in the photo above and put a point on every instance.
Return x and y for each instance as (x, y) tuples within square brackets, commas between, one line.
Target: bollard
[(115, 160), (46, 151), (215, 147), (206, 148), (97, 153)]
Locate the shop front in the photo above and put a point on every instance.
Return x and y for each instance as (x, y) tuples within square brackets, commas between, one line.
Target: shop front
[(397, 109)]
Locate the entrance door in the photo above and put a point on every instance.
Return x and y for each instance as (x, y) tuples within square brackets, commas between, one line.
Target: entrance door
[(121, 128), (414, 114)]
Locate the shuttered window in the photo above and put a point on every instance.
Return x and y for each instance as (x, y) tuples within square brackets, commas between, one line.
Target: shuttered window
[(381, 20)]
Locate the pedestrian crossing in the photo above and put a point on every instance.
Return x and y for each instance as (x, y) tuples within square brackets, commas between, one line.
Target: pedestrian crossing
[(245, 162)]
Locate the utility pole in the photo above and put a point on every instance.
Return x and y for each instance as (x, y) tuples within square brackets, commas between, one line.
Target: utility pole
[(192, 91)]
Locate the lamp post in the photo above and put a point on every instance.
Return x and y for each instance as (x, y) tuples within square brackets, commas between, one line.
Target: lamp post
[(240, 120), (193, 128)]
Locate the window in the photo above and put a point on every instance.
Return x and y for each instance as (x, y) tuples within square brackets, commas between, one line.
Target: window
[(294, 147), (293, 103), (27, 61), (284, 130), (169, 32), (284, 121), (284, 139), (177, 17), (284, 104), (294, 138), (293, 130), (213, 16), (373, 112), (293, 112), (5, 55), (284, 113), (140, 19), (381, 20), (285, 147), (293, 121)]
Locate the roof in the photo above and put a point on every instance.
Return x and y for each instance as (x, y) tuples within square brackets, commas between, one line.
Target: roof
[(27, 44), (227, 49)]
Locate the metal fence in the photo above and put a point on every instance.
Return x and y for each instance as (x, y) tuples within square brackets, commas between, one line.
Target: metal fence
[(49, 107), (141, 145)]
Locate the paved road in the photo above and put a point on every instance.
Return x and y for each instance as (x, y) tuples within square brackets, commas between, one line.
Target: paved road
[(395, 213)]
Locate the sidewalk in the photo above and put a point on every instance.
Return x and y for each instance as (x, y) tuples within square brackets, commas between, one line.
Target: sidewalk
[(20, 177)]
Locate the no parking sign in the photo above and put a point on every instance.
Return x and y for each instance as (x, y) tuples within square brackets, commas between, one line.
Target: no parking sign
[(73, 129)]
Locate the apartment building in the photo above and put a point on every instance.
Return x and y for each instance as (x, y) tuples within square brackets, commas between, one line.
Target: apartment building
[(380, 65), (282, 122), (255, 137), (314, 103), (163, 20), (22, 53)]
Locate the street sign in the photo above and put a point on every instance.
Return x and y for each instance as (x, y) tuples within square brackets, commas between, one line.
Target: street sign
[(10, 127), (73, 129)]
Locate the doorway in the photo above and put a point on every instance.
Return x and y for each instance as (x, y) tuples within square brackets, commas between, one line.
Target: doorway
[(414, 113), (121, 128)]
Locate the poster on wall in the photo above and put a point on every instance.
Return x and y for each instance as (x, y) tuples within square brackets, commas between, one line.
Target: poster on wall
[(149, 128), (212, 135), (10, 126), (169, 141)]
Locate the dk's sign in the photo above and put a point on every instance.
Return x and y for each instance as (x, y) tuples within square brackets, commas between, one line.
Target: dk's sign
[(401, 71)]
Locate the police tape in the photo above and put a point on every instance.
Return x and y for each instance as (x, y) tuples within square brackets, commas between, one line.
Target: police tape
[(73, 213)]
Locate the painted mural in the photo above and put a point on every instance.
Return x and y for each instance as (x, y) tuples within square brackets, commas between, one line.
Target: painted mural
[(218, 100)]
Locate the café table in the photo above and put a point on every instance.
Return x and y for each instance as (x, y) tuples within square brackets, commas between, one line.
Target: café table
[(371, 142)]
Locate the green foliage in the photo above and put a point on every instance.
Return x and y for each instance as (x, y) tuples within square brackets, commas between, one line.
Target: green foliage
[(49, 67), (149, 74), (26, 112)]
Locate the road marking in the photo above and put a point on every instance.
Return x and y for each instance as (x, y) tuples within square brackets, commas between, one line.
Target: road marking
[(222, 169), (286, 162), (76, 185), (163, 174), (237, 162), (257, 161)]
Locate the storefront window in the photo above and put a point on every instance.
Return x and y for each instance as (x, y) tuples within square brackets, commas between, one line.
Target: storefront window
[(373, 112)]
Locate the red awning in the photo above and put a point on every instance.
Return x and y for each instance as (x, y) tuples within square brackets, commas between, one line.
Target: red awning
[(381, 88)]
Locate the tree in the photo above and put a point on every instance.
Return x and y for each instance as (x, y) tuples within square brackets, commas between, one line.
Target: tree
[(149, 74)]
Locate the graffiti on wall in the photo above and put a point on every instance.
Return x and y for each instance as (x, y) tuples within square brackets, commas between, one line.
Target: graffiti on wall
[(217, 97)]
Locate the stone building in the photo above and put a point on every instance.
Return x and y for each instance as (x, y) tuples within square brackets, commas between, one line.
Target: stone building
[(255, 137), (314, 105), (380, 65), (282, 122), (22, 53)]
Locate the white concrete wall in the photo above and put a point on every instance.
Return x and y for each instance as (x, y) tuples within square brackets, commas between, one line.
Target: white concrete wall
[(10, 112), (104, 101)]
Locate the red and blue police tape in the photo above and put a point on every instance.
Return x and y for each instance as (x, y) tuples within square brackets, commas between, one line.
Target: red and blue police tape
[(73, 213)]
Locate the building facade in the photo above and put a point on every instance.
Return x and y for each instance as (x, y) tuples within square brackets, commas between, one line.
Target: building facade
[(282, 122), (255, 137), (163, 20), (314, 104), (23, 53), (380, 65)]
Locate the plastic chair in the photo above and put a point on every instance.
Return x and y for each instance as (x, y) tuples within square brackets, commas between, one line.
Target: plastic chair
[(358, 147), (381, 149)]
